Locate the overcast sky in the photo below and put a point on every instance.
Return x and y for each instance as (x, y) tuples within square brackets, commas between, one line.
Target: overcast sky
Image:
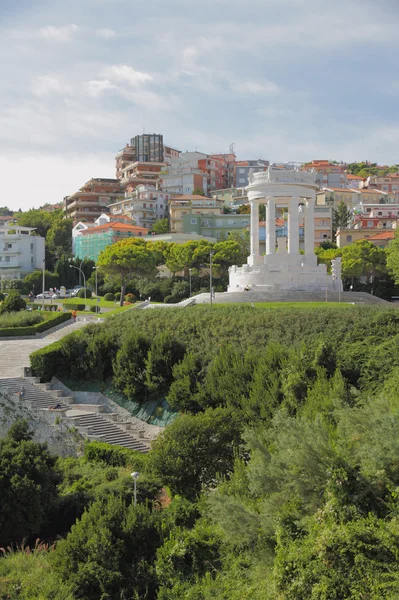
[(282, 79)]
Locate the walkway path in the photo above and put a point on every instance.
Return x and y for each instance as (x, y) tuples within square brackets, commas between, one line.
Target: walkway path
[(14, 354)]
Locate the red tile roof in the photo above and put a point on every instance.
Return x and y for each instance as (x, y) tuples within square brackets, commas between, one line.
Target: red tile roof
[(116, 226), (385, 235)]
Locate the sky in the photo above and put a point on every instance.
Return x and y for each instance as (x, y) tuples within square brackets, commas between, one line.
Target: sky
[(286, 80)]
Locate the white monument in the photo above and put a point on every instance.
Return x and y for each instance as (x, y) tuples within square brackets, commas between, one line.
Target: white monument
[(282, 267)]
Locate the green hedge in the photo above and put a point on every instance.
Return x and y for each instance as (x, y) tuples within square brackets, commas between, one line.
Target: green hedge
[(47, 361), (115, 456), (74, 306), (47, 307), (38, 328)]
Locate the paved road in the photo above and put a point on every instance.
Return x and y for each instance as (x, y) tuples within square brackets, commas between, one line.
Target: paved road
[(14, 354)]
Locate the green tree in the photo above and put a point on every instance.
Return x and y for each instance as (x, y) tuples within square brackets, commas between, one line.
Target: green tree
[(392, 257), (35, 281), (193, 450), (41, 220), (163, 354), (342, 217), (109, 552), (28, 482), (126, 259), (161, 226), (130, 367), (5, 211), (198, 192), (363, 258), (12, 303), (244, 209), (226, 254), (59, 236)]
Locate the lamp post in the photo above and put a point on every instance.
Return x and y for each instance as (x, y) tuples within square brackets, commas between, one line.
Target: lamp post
[(189, 272), (44, 281), (211, 253), (95, 269), (135, 475), (84, 278)]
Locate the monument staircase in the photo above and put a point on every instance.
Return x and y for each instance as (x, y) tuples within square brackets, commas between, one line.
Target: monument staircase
[(290, 296), (88, 419)]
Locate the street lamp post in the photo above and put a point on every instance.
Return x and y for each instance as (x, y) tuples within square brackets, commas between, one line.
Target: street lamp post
[(84, 278), (95, 269), (135, 475), (44, 281), (189, 271), (210, 275)]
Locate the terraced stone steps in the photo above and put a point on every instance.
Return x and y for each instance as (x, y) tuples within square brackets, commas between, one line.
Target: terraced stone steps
[(95, 425), (290, 296)]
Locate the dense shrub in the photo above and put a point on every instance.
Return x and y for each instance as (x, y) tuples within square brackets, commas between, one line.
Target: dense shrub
[(109, 297), (40, 327), (2, 296), (117, 296), (74, 306), (95, 308), (130, 298), (85, 294), (115, 456), (20, 319), (12, 303)]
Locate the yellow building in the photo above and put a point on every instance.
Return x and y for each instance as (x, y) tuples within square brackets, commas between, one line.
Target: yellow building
[(183, 205)]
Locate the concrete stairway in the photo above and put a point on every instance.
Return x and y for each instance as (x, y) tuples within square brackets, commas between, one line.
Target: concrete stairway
[(290, 296), (102, 428), (94, 425)]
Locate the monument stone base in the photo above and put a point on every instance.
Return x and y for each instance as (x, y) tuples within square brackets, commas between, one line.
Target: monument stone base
[(282, 272)]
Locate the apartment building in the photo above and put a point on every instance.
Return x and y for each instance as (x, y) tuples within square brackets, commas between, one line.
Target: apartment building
[(214, 225), (243, 168), (140, 173), (92, 199), (178, 207), (103, 219), (21, 251), (146, 205), (228, 165), (93, 240), (389, 184), (328, 175), (232, 197), (181, 178), (148, 147)]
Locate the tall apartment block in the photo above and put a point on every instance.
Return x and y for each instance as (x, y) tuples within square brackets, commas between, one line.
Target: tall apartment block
[(92, 199), (148, 147)]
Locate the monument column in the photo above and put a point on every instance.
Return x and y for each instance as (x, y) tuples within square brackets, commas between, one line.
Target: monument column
[(293, 226), (271, 226), (309, 226), (254, 233)]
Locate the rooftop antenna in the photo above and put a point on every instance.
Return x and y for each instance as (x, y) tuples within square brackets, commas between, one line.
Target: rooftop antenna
[(232, 146)]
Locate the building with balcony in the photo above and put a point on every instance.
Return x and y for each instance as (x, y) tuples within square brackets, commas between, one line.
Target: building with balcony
[(148, 147), (228, 164), (92, 199), (181, 178), (218, 226), (232, 197), (140, 173), (21, 252), (331, 175), (243, 168), (180, 206), (93, 240), (146, 205), (103, 219)]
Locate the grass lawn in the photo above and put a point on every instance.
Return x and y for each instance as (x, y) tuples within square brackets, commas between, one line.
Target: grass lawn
[(92, 302)]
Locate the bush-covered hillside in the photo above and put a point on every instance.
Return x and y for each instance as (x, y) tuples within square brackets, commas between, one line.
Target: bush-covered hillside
[(278, 480)]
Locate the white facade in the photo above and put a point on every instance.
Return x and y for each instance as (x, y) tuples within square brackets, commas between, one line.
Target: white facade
[(183, 176), (282, 267), (145, 206), (21, 252)]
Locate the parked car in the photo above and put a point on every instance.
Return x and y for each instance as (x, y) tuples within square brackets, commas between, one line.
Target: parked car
[(55, 296), (46, 295), (78, 287)]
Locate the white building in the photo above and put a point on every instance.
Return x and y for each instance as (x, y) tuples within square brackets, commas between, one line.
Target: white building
[(183, 177), (21, 252), (146, 205)]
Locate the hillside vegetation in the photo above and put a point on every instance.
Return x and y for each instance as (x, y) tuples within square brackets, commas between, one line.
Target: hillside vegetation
[(278, 480)]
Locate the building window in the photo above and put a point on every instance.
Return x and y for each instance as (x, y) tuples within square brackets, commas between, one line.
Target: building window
[(7, 259), (193, 221), (348, 238)]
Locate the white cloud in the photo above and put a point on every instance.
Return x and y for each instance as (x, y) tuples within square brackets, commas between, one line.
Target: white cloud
[(106, 33), (267, 88), (96, 87), (59, 34), (42, 85), (128, 75)]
